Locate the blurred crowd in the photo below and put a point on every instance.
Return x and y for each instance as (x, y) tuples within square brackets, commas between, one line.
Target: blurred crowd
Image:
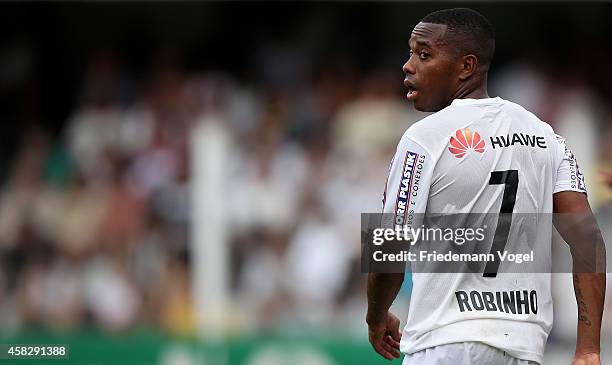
[(95, 221)]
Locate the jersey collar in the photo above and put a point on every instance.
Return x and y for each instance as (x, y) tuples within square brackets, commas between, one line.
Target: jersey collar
[(496, 99)]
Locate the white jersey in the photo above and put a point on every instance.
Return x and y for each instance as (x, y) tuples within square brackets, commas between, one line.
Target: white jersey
[(480, 156)]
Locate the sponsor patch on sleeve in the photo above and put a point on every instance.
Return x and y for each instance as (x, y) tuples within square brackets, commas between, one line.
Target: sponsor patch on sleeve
[(576, 176), (405, 187)]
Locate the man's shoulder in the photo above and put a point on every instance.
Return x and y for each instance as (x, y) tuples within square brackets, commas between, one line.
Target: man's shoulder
[(518, 110), (437, 126)]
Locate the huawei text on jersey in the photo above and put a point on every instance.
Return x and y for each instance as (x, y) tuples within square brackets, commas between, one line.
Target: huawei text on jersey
[(518, 139)]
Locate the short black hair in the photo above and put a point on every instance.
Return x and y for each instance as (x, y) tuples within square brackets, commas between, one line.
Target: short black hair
[(469, 33)]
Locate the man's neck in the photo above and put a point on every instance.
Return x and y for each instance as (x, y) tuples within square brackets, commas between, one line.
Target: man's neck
[(480, 93), (473, 89)]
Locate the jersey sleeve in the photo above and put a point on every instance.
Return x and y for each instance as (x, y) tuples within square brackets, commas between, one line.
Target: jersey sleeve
[(569, 177), (407, 189)]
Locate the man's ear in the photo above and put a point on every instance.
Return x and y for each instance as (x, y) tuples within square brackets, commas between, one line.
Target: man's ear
[(468, 66)]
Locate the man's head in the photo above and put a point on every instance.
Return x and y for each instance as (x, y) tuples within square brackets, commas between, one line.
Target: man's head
[(450, 53)]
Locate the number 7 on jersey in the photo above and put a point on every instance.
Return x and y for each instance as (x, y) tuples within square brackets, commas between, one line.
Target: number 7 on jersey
[(510, 179)]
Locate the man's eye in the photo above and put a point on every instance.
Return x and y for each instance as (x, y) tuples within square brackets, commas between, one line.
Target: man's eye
[(423, 55)]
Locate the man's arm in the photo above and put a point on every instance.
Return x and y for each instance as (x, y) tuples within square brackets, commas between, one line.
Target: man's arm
[(575, 222), (383, 327), (382, 290), (410, 160)]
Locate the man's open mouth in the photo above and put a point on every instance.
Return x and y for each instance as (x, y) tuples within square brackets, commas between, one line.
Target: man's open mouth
[(412, 93)]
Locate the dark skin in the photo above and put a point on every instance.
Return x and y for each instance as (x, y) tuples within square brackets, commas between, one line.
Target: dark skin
[(577, 225), (435, 76), (438, 73)]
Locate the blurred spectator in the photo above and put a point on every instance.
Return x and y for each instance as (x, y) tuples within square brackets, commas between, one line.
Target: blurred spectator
[(111, 296)]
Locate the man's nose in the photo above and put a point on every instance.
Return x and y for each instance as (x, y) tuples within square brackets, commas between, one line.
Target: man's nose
[(408, 67)]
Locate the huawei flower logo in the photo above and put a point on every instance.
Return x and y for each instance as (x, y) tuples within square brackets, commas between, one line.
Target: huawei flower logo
[(465, 140)]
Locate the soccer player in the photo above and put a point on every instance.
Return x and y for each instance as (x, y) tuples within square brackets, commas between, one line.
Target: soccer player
[(478, 154)]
